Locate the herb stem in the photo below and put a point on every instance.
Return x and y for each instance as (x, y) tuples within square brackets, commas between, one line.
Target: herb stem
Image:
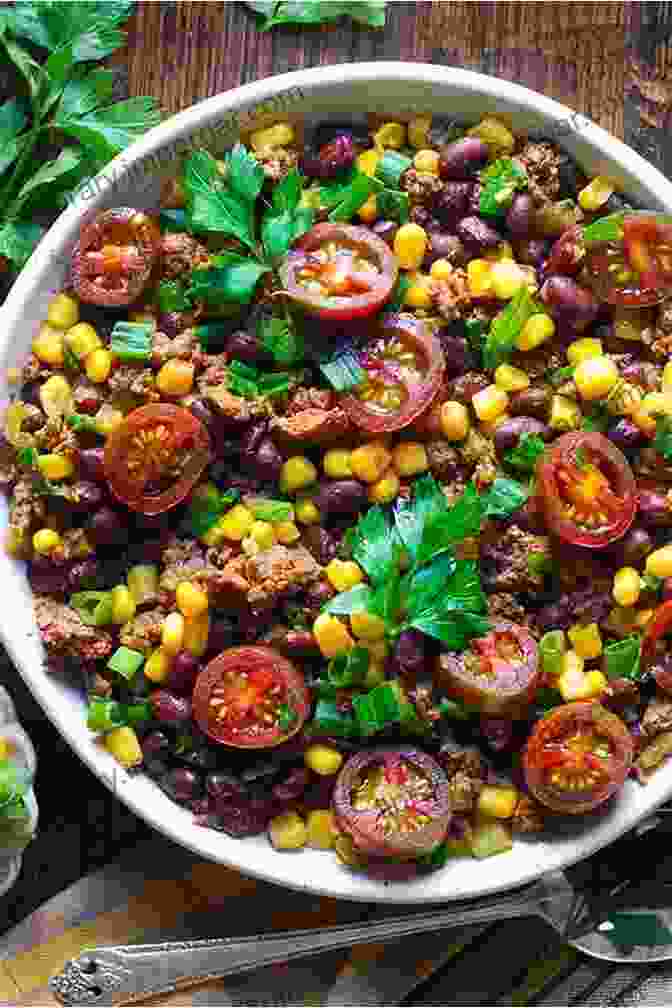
[(15, 178)]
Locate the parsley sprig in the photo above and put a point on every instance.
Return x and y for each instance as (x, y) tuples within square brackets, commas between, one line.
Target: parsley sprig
[(53, 47), (370, 13)]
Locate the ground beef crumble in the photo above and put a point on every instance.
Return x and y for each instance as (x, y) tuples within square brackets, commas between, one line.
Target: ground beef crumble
[(143, 632), (422, 187), (261, 579), (541, 162), (133, 378), (63, 632), (181, 253), (165, 348), (451, 296)]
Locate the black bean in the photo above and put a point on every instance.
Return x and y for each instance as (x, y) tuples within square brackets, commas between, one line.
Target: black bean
[(106, 528), (477, 236), (568, 302), (520, 216), (653, 509), (531, 402), (181, 784), (509, 432), (224, 786), (203, 413), (386, 229), (183, 672), (320, 543), (169, 708), (245, 346), (91, 464), (408, 659), (451, 203), (626, 436), (267, 462), (457, 354), (463, 158), (532, 251), (637, 545), (340, 497), (251, 438)]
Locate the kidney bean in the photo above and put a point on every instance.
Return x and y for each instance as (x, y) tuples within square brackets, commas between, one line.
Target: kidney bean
[(408, 659), (467, 386), (320, 543), (445, 246), (477, 235), (221, 634), (224, 787), (340, 497), (509, 432), (245, 346), (463, 158), (183, 672), (202, 412), (420, 215), (105, 528), (155, 749), (330, 159), (626, 436), (666, 592), (567, 252), (386, 229), (251, 438), (82, 575), (451, 203), (456, 352), (533, 402), (654, 510), (267, 461), (89, 496), (91, 464), (532, 251), (569, 303), (636, 545), (293, 786), (181, 784), (520, 216), (169, 708)]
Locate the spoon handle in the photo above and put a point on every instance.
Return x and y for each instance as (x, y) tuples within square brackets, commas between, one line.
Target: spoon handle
[(125, 974)]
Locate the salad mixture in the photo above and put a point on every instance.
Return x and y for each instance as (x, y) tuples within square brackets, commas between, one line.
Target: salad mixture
[(344, 485)]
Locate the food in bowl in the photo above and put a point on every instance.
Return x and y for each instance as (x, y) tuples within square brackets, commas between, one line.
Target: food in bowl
[(344, 495)]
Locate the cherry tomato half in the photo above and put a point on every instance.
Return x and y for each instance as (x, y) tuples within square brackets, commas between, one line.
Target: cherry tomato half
[(499, 674), (155, 457), (577, 756), (654, 655), (404, 366), (586, 490), (250, 698), (114, 257), (636, 269), (339, 272), (392, 802)]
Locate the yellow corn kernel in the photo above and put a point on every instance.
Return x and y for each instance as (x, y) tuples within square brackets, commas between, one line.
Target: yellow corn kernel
[(6, 748), (368, 211), (497, 801), (506, 279), (321, 829), (595, 377), (441, 269), (122, 743), (236, 523), (565, 414), (123, 604), (595, 194), (332, 636), (500, 253), (343, 574), (45, 541), (286, 532), (454, 420), (586, 640), (427, 162), (538, 329), (367, 626), (98, 365), (667, 378), (196, 633), (627, 586), (498, 138), (370, 461), (56, 397), (391, 134), (15, 542), (479, 275), (384, 490), (644, 421), (409, 458), (307, 511), (644, 616), (659, 563), (346, 852), (336, 463), (271, 136), (418, 131), (583, 349), (143, 582), (419, 294), (296, 473), (410, 246), (48, 345), (108, 420), (490, 403), (172, 633), (54, 466), (191, 600), (287, 831), (571, 681), (589, 684), (367, 162), (63, 312), (158, 665), (82, 339), (323, 760), (511, 379), (263, 535), (655, 403), (176, 378)]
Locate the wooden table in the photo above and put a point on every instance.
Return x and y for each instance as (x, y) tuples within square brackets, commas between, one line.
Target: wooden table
[(611, 61)]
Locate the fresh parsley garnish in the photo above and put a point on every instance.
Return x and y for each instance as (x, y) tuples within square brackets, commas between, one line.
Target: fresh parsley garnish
[(281, 339), (597, 419), (526, 453), (398, 294), (285, 221), (506, 326), (561, 375), (232, 279), (370, 13), (663, 439), (54, 46), (622, 659), (499, 182), (605, 229), (345, 196), (349, 669), (504, 497), (286, 717)]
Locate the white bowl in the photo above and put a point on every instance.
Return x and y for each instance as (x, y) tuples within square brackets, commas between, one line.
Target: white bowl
[(337, 92)]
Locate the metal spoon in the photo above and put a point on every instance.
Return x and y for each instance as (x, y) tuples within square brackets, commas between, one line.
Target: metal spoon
[(592, 904)]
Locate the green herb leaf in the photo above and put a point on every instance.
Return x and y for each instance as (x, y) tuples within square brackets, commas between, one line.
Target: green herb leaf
[(173, 220), (504, 497), (499, 182), (244, 175), (210, 207), (375, 546), (330, 720), (269, 510), (393, 205), (398, 294), (86, 91), (412, 515), (18, 240), (312, 12), (455, 630), (605, 229), (286, 717), (454, 709), (83, 424), (387, 599), (347, 195), (206, 508), (391, 167), (70, 361), (526, 453), (93, 607), (132, 341), (68, 160), (343, 372), (31, 71), (12, 121), (382, 706), (421, 587), (357, 599), (349, 669), (597, 419), (90, 25), (285, 220), (105, 715), (452, 614), (275, 383), (232, 279), (171, 297), (506, 326), (459, 522), (474, 331), (663, 439), (281, 339), (108, 129), (622, 659)]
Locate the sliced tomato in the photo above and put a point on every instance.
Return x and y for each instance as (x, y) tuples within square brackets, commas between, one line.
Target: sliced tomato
[(499, 675), (577, 756), (635, 270), (113, 260), (404, 365), (250, 698), (154, 459), (393, 802), (586, 489), (654, 656), (339, 272)]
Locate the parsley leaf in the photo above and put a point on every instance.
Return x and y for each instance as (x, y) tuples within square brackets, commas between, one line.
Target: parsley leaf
[(281, 339), (454, 525), (598, 419), (499, 182), (349, 669), (393, 205), (412, 515), (398, 294), (375, 546), (357, 599), (348, 194), (285, 220), (504, 497), (605, 229), (387, 598), (663, 439), (107, 129), (622, 659), (68, 159), (313, 12), (505, 328), (90, 25), (421, 587), (244, 175), (524, 456), (286, 717), (211, 207), (18, 239), (232, 278)]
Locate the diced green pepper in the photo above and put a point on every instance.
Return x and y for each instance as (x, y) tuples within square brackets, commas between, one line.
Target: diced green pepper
[(552, 647)]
